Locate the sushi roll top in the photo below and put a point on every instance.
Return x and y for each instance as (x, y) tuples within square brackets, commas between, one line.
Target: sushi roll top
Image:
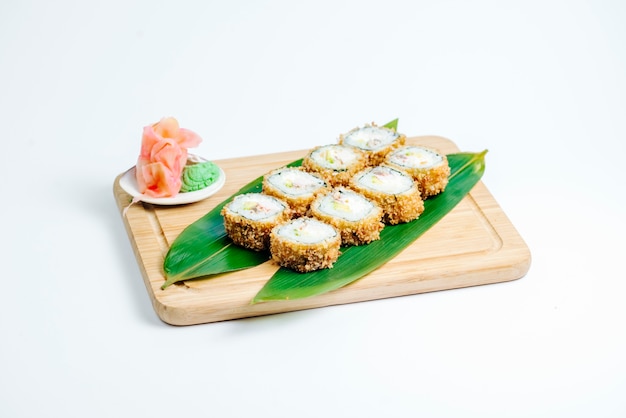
[(336, 163), (393, 190), (374, 140), (346, 204), (305, 244), (385, 179), (357, 218), (295, 186), (305, 230), (428, 167), (256, 207), (249, 219), (292, 181)]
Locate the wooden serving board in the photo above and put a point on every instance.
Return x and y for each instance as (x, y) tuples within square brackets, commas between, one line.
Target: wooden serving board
[(475, 244)]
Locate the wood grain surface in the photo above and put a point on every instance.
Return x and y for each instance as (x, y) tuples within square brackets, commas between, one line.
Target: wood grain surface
[(475, 244)]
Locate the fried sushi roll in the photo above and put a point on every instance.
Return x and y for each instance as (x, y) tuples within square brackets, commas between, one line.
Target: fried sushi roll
[(249, 219), (375, 141), (335, 163), (295, 186), (428, 167), (305, 244), (393, 190), (357, 218)]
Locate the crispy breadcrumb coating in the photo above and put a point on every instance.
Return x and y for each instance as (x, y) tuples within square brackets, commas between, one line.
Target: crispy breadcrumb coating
[(360, 232), (397, 208), (304, 257), (249, 233), (299, 204)]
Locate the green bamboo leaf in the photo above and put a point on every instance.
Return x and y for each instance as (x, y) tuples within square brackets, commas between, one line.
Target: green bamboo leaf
[(203, 248), (466, 169), (392, 124)]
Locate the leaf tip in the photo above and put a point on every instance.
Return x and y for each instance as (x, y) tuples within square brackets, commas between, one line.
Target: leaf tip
[(260, 299), (168, 282), (392, 124), (481, 155)]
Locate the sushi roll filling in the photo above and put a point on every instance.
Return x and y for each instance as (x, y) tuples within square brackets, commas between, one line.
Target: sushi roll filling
[(306, 231), (295, 182), (334, 157), (347, 205), (255, 206), (415, 157), (371, 138), (386, 180)]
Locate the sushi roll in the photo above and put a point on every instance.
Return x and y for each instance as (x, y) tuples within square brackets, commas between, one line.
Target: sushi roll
[(357, 218), (335, 163), (428, 167), (305, 244), (249, 219), (295, 186), (374, 140), (393, 190)]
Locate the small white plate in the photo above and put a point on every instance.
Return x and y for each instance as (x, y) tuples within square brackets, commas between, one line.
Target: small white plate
[(128, 182)]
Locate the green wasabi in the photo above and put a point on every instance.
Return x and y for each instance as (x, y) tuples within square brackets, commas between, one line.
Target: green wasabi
[(197, 176)]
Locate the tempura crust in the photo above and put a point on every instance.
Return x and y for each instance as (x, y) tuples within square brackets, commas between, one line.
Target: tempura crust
[(432, 180), (397, 208), (359, 232), (335, 178), (377, 157), (252, 234), (303, 257), (299, 204)]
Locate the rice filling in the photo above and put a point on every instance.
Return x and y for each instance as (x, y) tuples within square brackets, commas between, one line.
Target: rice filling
[(386, 180), (256, 206), (346, 204), (306, 231), (370, 138), (415, 157), (295, 182)]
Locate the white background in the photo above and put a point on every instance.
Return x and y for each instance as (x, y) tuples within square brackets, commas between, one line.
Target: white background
[(541, 84)]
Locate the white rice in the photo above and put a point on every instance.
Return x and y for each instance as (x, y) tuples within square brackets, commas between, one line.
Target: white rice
[(370, 138), (256, 206), (415, 157), (306, 230), (334, 157), (295, 182), (385, 180), (346, 204)]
